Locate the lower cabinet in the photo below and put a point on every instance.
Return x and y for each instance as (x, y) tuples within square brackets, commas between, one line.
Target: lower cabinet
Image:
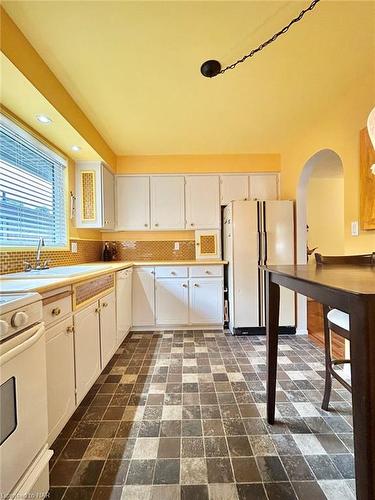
[(206, 301), (87, 349), (172, 301), (144, 296), (60, 376), (108, 331)]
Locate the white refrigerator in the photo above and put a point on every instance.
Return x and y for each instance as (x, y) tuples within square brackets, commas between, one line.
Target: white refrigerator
[(257, 232)]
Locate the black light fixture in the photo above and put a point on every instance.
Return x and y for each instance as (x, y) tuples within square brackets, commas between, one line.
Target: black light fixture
[(212, 67)]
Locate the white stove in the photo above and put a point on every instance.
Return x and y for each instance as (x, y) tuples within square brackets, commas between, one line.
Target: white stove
[(19, 311)]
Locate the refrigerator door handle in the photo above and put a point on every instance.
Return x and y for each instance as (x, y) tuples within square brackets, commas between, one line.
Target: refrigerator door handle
[(265, 247)]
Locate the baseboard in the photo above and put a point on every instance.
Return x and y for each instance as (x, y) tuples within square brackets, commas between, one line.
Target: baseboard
[(301, 331), (261, 330), (161, 328)]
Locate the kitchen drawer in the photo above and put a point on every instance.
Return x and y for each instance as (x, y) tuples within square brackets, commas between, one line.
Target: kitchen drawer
[(56, 307), (171, 271), (205, 271)]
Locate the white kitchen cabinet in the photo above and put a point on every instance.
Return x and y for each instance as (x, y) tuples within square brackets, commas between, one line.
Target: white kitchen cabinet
[(133, 203), (94, 205), (60, 376), (124, 281), (171, 297), (202, 202), (108, 333), (264, 187), (233, 187), (87, 349), (206, 301), (167, 202), (144, 296)]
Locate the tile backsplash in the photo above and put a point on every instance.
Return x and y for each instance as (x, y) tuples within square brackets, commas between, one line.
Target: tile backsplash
[(91, 251)]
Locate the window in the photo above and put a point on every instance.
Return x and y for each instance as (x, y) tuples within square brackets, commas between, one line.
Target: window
[(32, 194)]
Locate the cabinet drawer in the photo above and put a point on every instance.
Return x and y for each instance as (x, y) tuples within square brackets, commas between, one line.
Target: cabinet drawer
[(171, 272), (205, 271), (54, 310)]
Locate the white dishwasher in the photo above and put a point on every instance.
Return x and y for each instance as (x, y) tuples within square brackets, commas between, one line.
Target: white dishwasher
[(123, 303)]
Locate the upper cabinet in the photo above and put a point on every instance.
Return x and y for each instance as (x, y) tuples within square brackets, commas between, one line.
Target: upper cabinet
[(264, 187), (233, 187), (167, 202), (202, 202), (133, 203), (95, 196)]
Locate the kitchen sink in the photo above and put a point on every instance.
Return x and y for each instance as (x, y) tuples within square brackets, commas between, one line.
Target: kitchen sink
[(58, 272)]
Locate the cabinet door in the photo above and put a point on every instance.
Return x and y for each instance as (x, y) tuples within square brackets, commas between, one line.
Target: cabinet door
[(87, 349), (108, 333), (60, 376), (89, 194), (108, 199), (133, 203), (124, 303), (167, 202), (171, 301), (233, 188), (144, 297), (264, 187), (206, 301), (202, 202)]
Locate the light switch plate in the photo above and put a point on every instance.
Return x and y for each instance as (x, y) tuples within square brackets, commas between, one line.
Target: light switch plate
[(74, 247), (177, 245), (355, 228)]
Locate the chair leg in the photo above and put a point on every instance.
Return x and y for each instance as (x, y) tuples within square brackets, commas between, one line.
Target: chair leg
[(328, 360)]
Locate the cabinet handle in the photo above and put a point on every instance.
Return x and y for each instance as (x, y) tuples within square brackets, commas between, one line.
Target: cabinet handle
[(70, 329), (56, 311), (173, 273), (192, 223), (97, 310), (105, 304), (156, 225), (184, 285), (196, 284), (146, 225), (208, 272)]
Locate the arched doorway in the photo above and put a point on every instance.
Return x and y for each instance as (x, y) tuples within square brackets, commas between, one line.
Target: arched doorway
[(320, 205)]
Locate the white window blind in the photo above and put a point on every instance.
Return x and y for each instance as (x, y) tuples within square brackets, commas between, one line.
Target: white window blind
[(32, 194)]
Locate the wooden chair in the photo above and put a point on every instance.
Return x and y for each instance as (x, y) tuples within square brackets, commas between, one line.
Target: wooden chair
[(337, 321)]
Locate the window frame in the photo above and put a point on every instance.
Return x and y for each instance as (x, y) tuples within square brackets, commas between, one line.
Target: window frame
[(55, 155)]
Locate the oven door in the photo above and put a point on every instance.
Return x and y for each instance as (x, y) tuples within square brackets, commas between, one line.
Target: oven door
[(23, 392)]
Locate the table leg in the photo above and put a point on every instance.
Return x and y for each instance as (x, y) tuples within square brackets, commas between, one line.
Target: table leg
[(272, 328), (362, 353)]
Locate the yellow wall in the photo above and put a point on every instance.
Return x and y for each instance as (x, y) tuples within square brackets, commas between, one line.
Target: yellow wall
[(198, 163), (22, 54), (337, 129)]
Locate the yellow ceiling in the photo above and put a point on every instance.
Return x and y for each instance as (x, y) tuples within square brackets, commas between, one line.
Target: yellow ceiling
[(133, 68), (19, 96)]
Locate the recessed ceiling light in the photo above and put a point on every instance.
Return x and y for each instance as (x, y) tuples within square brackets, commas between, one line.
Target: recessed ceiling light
[(43, 119), (76, 148)]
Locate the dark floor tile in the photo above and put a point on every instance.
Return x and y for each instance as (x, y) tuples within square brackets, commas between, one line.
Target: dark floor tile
[(280, 491), (149, 428), (215, 446), (338, 424), (254, 426), (210, 411), (245, 470), (169, 448), (170, 428), (107, 493), (309, 490), (285, 445), (85, 429), (79, 493), (213, 427), (249, 410), (75, 449), (208, 398), (194, 492), (239, 446), (234, 427), (253, 491), (107, 429), (167, 471), (87, 473), (331, 443), (62, 472), (155, 399), (297, 468), (140, 472), (114, 472), (345, 464), (191, 428), (323, 467), (122, 448), (128, 429), (56, 493), (192, 447), (191, 412), (219, 470), (271, 469)]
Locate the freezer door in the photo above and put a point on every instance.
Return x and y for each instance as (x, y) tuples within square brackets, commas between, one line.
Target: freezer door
[(278, 238)]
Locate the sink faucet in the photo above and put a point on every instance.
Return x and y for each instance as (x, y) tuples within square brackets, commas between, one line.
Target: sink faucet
[(38, 252)]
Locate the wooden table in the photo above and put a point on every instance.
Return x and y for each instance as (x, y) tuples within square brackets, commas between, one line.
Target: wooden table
[(350, 289)]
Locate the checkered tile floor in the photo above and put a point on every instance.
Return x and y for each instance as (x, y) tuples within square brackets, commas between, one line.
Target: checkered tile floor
[(181, 415)]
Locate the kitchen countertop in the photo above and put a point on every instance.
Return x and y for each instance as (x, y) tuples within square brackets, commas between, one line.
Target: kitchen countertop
[(41, 285)]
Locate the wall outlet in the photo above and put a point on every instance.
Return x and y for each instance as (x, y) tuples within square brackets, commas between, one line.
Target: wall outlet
[(74, 247), (177, 245), (355, 228)]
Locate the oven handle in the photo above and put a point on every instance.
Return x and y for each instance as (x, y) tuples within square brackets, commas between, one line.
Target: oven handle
[(31, 336)]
